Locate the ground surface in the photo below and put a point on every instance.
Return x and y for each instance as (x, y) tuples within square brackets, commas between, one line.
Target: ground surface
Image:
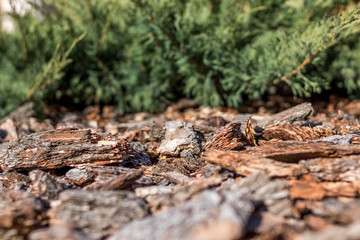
[(284, 169)]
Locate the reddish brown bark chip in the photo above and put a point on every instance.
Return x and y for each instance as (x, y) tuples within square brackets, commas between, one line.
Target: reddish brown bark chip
[(246, 164), (64, 147), (228, 137), (292, 151), (233, 136), (306, 190), (311, 190), (10, 178), (298, 133), (20, 211), (276, 159)]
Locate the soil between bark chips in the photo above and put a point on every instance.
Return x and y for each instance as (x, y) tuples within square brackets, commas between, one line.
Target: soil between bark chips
[(269, 171)]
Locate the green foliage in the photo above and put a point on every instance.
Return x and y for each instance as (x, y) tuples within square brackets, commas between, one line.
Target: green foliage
[(141, 55)]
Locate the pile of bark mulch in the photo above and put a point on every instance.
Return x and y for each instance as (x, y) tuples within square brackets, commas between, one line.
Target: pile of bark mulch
[(281, 172)]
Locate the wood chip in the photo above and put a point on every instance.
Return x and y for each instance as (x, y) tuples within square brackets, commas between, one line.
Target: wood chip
[(246, 164), (345, 169), (64, 147), (228, 137), (115, 182), (293, 115), (298, 133)]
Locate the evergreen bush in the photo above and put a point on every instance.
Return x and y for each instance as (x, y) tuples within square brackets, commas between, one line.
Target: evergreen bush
[(142, 54)]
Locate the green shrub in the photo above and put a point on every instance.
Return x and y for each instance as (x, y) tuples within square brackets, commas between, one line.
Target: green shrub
[(141, 55)]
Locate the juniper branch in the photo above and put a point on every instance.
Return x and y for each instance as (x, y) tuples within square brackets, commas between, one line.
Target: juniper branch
[(198, 65)]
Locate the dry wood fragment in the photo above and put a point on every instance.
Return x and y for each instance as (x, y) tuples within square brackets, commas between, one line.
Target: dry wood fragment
[(228, 137), (233, 136), (276, 159), (84, 175), (115, 182), (293, 115), (345, 169), (246, 164), (298, 133), (10, 178), (292, 151), (64, 147)]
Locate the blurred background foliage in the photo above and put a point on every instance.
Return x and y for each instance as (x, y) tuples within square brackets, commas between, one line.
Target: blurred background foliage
[(140, 55)]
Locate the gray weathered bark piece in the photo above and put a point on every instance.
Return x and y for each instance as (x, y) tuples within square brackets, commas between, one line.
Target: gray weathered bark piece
[(272, 193), (345, 169), (45, 186), (293, 115), (111, 182), (340, 139), (84, 175), (161, 199), (64, 147), (179, 137), (211, 215), (97, 213)]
